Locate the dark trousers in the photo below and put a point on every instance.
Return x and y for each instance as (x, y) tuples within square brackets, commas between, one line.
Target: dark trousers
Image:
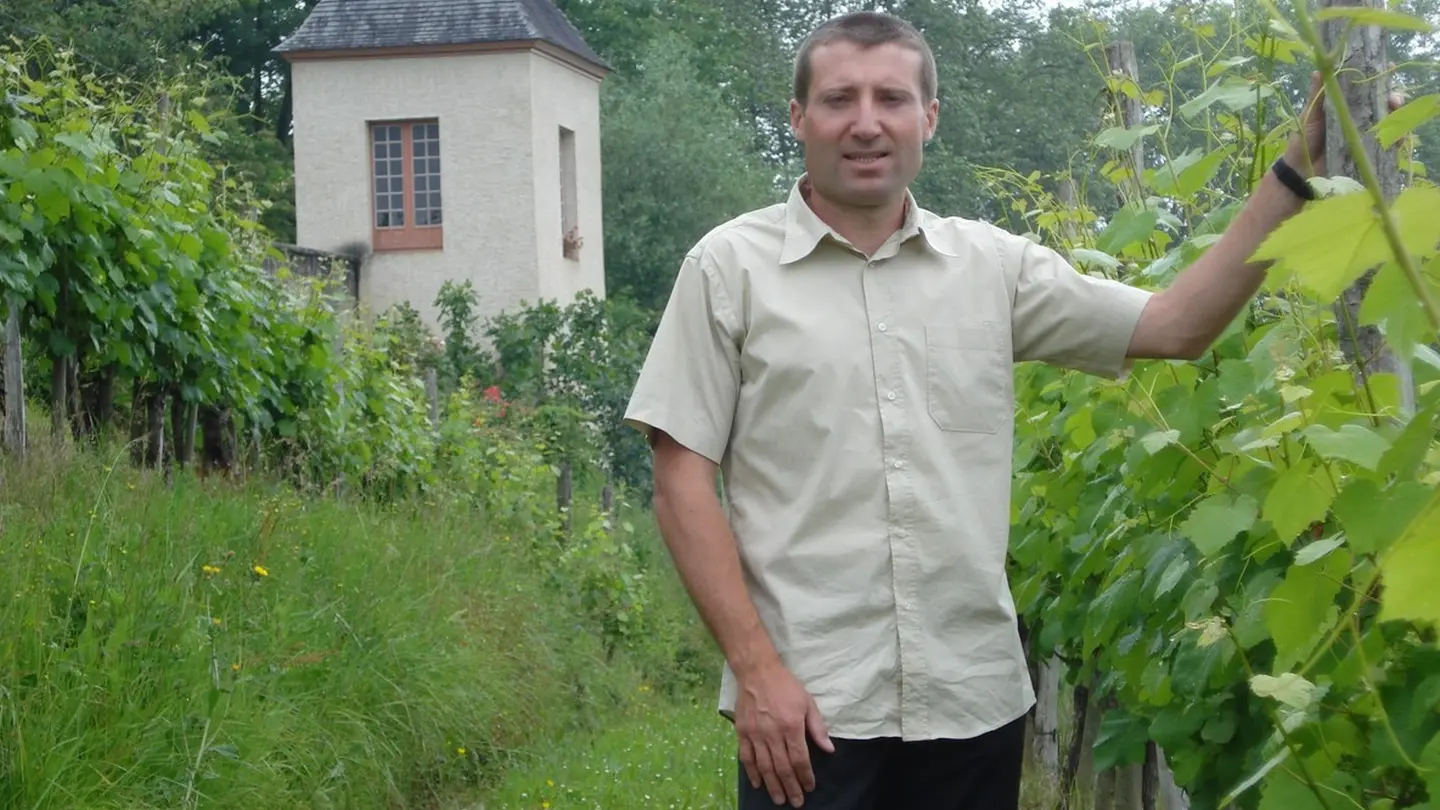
[(982, 773)]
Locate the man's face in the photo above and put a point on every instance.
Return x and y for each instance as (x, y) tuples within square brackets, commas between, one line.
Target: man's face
[(865, 122)]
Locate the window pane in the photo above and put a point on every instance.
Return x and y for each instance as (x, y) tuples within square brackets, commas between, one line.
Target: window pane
[(382, 219), (382, 185), (426, 167), (396, 167), (395, 133)]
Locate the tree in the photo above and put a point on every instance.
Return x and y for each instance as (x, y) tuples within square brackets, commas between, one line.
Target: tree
[(677, 163)]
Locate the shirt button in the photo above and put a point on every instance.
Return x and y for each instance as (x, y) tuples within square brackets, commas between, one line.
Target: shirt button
[(881, 327), (899, 464), (890, 396)]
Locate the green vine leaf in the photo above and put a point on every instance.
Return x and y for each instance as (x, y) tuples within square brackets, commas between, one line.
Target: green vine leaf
[(1408, 570), (1130, 225), (1403, 121), (1217, 520), (1385, 18), (1287, 790), (1120, 138), (1159, 440), (1301, 496), (1289, 688), (1328, 245), (1302, 608), (1317, 550), (1233, 94), (1374, 518), (1352, 442)]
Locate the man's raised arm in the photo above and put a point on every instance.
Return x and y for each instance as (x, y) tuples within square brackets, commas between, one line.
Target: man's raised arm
[(1186, 318)]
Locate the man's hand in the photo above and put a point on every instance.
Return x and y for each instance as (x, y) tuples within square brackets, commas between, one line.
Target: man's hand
[(1306, 150), (773, 714)]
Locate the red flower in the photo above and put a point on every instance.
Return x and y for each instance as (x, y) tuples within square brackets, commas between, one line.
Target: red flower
[(492, 394)]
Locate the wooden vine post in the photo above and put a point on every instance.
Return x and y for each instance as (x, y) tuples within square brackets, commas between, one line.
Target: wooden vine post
[(1120, 56), (432, 395), (14, 384), (1361, 73), (1147, 784)]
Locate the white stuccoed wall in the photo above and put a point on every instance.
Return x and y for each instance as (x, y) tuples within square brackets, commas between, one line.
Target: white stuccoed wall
[(499, 115), (563, 97)]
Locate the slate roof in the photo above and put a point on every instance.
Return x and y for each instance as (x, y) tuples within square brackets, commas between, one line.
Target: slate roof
[(363, 24)]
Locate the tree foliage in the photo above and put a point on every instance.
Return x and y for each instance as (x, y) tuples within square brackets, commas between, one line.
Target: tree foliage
[(677, 162)]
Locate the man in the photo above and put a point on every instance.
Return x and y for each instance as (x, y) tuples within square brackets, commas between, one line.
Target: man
[(845, 358)]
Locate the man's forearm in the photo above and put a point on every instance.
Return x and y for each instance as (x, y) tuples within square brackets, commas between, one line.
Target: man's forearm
[(704, 550), (1207, 296)]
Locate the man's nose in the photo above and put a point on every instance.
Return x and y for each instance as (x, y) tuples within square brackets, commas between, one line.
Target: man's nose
[(867, 120)]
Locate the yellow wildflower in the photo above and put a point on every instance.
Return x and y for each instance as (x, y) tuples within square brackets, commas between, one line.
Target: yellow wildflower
[(260, 570), (210, 569), (460, 751)]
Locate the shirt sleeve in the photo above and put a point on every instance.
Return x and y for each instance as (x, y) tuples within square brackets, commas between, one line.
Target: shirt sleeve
[(1066, 318), (690, 381)]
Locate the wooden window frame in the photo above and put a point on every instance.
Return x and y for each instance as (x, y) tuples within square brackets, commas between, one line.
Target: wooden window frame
[(408, 236)]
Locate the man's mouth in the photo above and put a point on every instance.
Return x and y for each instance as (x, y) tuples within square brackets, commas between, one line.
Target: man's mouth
[(866, 157)]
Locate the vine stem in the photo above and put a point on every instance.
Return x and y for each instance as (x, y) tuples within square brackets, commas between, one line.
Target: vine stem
[(1383, 715), (1366, 169), (1361, 594), (1289, 742)]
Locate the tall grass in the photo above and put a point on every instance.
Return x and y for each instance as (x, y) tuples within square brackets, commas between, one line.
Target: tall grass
[(210, 643)]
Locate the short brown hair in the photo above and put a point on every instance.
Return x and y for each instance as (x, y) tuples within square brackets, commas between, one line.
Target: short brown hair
[(866, 29)]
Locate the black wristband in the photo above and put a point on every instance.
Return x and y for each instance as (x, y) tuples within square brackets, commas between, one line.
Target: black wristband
[(1292, 179)]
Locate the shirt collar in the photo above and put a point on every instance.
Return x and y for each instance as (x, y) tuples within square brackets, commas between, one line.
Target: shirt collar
[(804, 229)]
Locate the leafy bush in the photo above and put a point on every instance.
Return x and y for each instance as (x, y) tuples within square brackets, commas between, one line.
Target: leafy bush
[(1230, 552)]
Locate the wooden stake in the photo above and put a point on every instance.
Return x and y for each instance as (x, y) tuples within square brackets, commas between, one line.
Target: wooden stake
[(15, 439), (1360, 73)]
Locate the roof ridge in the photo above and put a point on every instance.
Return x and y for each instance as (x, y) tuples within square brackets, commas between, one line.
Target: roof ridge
[(368, 24)]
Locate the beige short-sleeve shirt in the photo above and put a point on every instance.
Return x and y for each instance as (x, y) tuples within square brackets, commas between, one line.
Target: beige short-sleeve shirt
[(860, 409)]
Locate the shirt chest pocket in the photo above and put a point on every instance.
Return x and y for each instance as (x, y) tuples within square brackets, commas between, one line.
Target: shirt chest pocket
[(967, 377)]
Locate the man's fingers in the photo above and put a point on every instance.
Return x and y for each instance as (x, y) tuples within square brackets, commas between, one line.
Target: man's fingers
[(815, 724), (765, 764), (747, 759), (788, 783), (800, 760)]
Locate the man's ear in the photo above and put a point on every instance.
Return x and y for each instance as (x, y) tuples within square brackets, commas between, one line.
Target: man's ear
[(797, 119)]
